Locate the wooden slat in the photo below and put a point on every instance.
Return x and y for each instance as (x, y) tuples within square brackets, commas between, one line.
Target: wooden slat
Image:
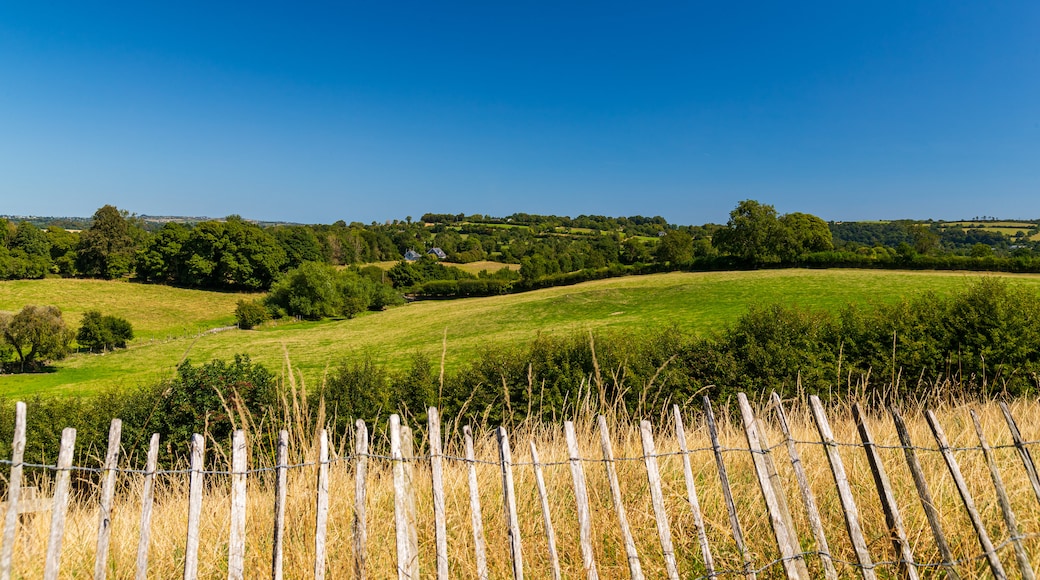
[(653, 475), (1023, 451), (476, 516), (893, 519), (635, 569), (808, 498), (410, 509), (321, 516), (62, 482), (550, 534), (509, 500), (924, 494), (147, 503), (195, 481), (727, 493), (969, 504), (841, 480), (14, 488), (280, 491), (691, 490), (237, 529), (437, 476), (783, 530), (581, 498), (1024, 568), (360, 526), (108, 492), (400, 500)]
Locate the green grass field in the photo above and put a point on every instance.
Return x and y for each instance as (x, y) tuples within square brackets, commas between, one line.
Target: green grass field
[(697, 302)]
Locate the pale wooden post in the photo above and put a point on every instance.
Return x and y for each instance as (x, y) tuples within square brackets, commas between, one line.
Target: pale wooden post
[(727, 493), (841, 480), (280, 484), (635, 569), (52, 563), (888, 499), (924, 494), (962, 488), (14, 488), (400, 508), (783, 531), (409, 475), (437, 475), (806, 491), (360, 495), (1021, 556), (321, 518), (108, 492), (191, 549), (476, 516), (147, 501), (653, 476), (581, 497), (1023, 451), (237, 531), (691, 492), (509, 501), (550, 534)]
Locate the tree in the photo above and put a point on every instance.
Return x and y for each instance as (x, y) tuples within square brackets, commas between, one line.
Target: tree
[(801, 233), (97, 332), (106, 249), (37, 334), (250, 313), (675, 247), (750, 232), (311, 291)]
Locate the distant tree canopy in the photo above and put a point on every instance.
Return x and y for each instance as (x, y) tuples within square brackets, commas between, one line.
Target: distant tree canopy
[(755, 233), (106, 249), (99, 333), (316, 290)]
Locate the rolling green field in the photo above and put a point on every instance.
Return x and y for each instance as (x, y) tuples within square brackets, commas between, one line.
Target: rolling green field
[(698, 302)]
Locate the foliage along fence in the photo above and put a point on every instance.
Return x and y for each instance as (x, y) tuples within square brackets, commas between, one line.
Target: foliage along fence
[(793, 562)]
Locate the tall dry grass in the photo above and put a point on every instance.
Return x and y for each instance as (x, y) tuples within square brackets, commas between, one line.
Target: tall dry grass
[(170, 517)]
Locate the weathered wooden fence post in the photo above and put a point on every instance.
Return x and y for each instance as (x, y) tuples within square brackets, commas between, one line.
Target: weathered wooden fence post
[(147, 501), (1023, 451), (108, 492), (962, 488), (360, 527), (822, 548), (280, 483), (924, 494), (509, 501), (14, 488), (841, 480), (1021, 556), (888, 500), (408, 455), (783, 530), (727, 493), (437, 476), (691, 492), (321, 517), (550, 534), (237, 531), (191, 548), (635, 570), (401, 491), (581, 498), (653, 476), (52, 564), (476, 516)]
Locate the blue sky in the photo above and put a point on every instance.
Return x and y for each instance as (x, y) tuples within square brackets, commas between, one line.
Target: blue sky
[(371, 111)]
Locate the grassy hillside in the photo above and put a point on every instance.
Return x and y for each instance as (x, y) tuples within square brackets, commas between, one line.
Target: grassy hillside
[(698, 302)]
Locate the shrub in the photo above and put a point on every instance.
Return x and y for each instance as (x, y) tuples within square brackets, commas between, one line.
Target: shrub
[(250, 313), (98, 332)]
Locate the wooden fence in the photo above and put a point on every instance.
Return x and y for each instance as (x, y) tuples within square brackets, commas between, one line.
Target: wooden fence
[(793, 560)]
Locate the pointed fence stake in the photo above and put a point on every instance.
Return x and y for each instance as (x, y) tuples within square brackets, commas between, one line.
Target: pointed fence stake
[(476, 517), (14, 491), (280, 491), (727, 493), (321, 517), (52, 564), (581, 497), (237, 532), (691, 491), (653, 476), (195, 481), (360, 523), (1023, 451), (509, 501), (147, 502), (550, 534), (437, 476), (635, 569)]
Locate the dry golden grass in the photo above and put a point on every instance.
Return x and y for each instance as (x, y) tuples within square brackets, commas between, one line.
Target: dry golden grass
[(170, 518)]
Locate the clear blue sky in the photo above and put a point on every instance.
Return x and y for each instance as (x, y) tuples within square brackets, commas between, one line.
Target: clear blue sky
[(379, 110)]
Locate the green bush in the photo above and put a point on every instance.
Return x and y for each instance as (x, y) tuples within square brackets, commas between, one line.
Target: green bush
[(250, 314)]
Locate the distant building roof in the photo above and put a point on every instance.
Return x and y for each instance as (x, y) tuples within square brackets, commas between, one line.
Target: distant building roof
[(412, 255), (437, 252)]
